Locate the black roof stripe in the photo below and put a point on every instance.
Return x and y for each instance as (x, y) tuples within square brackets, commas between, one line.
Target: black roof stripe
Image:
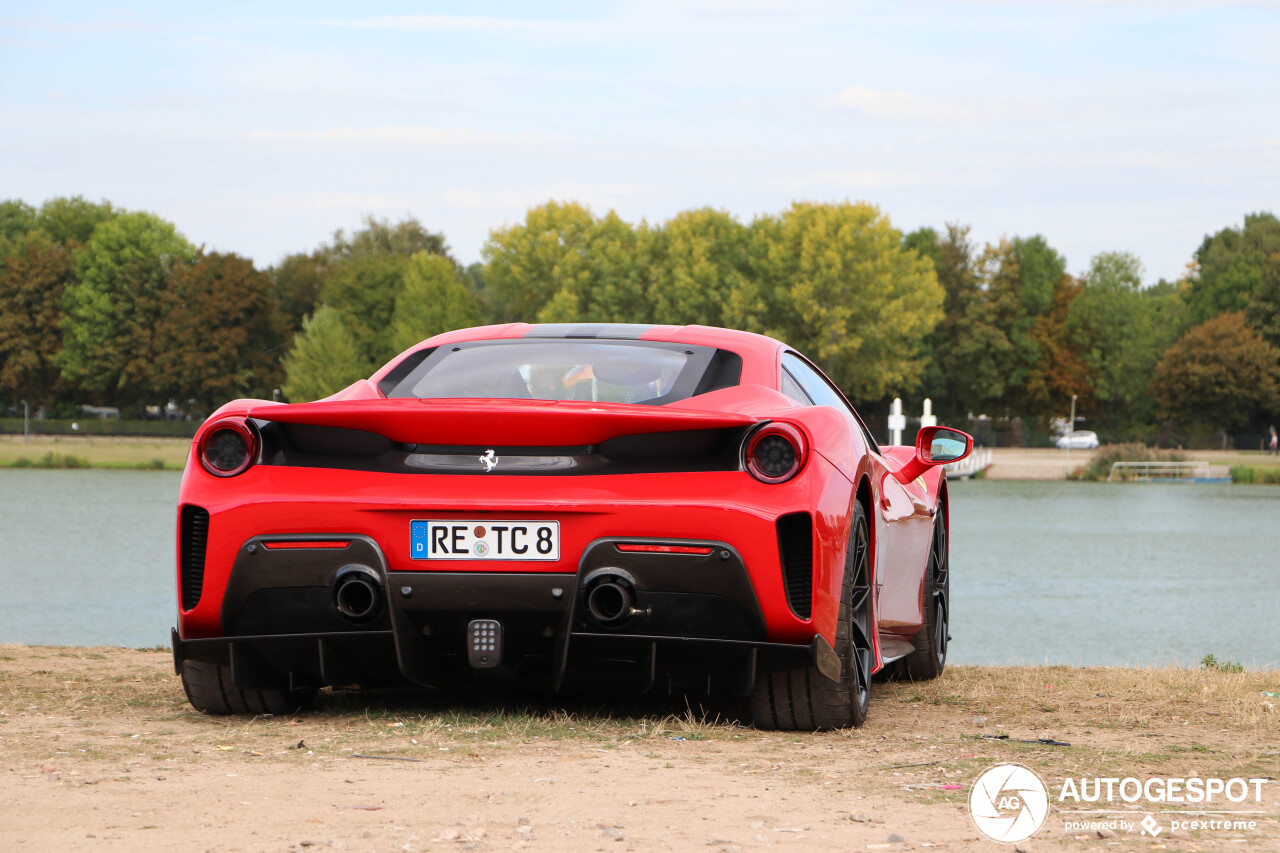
[(614, 331)]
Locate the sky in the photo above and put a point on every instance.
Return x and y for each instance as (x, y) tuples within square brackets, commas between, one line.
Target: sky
[(261, 128)]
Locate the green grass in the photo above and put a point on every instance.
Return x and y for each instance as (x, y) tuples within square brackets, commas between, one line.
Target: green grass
[(51, 460), (1209, 662), (119, 453), (1255, 475), (61, 461)]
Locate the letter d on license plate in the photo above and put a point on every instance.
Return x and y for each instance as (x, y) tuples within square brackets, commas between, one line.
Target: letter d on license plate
[(484, 540)]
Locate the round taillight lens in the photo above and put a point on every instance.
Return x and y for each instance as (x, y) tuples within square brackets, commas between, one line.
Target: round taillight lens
[(776, 453), (228, 449)]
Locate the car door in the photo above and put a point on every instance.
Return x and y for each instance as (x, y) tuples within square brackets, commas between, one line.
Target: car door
[(902, 524)]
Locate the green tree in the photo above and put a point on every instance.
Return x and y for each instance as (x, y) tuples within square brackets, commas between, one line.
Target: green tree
[(1023, 279), (113, 307), (1220, 374), (613, 282), (473, 277), (434, 299), (527, 264), (383, 237), (1263, 311), (1058, 372), (359, 274), (325, 358), (700, 259), (220, 332), (297, 282), (835, 281), (16, 218), (72, 220), (1231, 268), (1120, 331), (967, 350), (34, 274), (363, 291)]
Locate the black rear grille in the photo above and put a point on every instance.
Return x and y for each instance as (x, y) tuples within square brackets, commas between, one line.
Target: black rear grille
[(194, 526), (795, 548), (311, 446)]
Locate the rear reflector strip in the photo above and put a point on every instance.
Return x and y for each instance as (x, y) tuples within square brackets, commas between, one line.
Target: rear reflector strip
[(308, 543), (664, 549)]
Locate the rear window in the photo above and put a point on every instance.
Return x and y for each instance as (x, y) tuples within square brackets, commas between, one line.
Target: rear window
[(607, 371)]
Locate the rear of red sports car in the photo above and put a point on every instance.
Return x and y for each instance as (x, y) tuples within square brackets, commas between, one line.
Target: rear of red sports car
[(543, 506)]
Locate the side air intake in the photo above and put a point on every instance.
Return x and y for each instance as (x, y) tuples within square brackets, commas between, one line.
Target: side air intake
[(193, 525), (795, 548)]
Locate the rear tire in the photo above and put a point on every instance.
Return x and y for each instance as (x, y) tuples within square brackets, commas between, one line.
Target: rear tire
[(805, 699), (930, 657), (210, 690)]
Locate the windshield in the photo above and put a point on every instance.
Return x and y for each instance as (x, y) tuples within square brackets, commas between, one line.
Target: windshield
[(585, 370)]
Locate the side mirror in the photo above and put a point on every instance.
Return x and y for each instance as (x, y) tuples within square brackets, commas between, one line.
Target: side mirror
[(935, 446), (940, 445)]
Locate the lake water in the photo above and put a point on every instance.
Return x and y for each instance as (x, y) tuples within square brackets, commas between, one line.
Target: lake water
[(1073, 573)]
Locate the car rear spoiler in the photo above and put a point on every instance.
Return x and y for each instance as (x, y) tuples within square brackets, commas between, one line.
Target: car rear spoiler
[(498, 422)]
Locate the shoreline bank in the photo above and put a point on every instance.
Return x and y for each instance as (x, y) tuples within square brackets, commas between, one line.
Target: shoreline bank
[(94, 451)]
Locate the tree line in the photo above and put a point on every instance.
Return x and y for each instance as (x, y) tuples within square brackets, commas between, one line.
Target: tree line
[(113, 307)]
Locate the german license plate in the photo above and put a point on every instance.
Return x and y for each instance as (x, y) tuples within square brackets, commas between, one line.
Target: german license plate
[(484, 540)]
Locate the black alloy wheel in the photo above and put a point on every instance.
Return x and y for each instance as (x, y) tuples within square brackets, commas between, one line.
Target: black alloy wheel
[(930, 656), (805, 699)]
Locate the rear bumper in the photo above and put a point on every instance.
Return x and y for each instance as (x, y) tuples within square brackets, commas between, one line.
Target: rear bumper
[(669, 621), (729, 507)]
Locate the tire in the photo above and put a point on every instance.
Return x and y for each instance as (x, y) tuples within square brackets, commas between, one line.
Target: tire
[(930, 656), (805, 699), (210, 690)]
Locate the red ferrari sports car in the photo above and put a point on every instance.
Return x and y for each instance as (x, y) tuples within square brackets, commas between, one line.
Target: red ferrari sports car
[(676, 508)]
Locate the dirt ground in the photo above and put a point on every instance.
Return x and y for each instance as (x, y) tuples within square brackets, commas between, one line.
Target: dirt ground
[(99, 751)]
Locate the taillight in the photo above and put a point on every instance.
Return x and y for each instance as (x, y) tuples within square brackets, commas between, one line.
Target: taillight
[(776, 453), (228, 448)]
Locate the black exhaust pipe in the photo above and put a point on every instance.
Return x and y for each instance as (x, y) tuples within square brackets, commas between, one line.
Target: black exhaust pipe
[(610, 601), (358, 595)]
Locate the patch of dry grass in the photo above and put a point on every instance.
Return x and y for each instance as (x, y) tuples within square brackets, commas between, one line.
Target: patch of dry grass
[(1108, 696), (121, 701)]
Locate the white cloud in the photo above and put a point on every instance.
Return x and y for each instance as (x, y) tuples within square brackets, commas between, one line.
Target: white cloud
[(1161, 5), (452, 23), (166, 100), (744, 8), (890, 178), (122, 23), (415, 135), (595, 195), (897, 104), (900, 105), (359, 202)]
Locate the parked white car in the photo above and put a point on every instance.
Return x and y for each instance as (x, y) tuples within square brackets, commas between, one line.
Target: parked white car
[(1081, 439)]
